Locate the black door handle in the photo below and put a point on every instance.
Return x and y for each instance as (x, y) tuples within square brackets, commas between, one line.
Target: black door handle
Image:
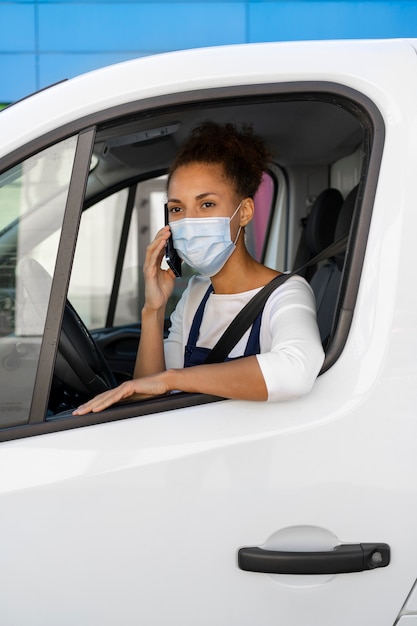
[(341, 560)]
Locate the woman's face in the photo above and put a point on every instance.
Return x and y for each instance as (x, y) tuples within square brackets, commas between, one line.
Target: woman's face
[(201, 190)]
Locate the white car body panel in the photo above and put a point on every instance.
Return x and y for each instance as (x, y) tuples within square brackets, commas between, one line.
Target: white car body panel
[(140, 520)]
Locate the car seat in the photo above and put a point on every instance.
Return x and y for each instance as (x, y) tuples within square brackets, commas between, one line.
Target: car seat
[(325, 281), (319, 229)]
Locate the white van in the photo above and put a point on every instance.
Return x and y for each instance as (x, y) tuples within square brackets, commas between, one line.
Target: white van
[(190, 509)]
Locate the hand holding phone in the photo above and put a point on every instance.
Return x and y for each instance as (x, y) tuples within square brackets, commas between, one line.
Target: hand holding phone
[(171, 255)]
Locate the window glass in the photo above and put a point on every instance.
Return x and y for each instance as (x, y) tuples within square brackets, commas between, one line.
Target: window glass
[(147, 219), (33, 196), (95, 259), (127, 303)]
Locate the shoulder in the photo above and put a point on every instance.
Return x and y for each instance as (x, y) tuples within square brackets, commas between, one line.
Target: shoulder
[(294, 292), (294, 285)]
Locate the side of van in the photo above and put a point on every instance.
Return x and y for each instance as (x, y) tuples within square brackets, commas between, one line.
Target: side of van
[(188, 508)]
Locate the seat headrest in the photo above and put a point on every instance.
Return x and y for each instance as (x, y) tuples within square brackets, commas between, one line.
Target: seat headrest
[(322, 220)]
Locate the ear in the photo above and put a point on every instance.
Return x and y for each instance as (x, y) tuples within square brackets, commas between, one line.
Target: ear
[(246, 211)]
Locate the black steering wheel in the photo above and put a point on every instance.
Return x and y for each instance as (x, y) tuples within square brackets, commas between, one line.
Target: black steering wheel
[(80, 363)]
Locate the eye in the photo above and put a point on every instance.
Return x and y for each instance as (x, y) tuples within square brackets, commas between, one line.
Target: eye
[(208, 205), (174, 209)]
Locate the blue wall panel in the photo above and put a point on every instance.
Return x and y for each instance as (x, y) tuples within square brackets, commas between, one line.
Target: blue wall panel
[(42, 41), (17, 76), (308, 19), (152, 27), (17, 27)]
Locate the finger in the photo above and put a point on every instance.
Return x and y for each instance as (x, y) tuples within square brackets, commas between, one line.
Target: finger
[(95, 405), (171, 273), (104, 400), (155, 251), (163, 232), (161, 238)]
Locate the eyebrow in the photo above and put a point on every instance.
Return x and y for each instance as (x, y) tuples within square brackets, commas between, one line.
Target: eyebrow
[(199, 197)]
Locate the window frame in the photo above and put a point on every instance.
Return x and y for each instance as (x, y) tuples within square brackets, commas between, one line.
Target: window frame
[(59, 288), (374, 129)]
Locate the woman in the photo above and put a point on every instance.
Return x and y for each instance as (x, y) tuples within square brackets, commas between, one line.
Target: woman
[(211, 187)]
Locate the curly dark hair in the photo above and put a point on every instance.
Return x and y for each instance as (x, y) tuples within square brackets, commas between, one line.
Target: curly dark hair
[(242, 154)]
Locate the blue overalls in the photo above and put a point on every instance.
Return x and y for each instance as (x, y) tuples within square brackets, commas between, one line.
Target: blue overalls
[(194, 355)]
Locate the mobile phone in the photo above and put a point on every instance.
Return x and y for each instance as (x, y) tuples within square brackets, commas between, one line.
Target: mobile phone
[(171, 255)]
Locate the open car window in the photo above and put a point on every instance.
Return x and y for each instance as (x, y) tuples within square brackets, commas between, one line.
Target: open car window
[(122, 209)]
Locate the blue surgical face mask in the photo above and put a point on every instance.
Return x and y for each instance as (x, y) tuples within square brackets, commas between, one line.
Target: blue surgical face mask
[(204, 243)]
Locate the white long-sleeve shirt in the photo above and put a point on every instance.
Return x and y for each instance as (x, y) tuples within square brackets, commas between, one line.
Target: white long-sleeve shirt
[(291, 350)]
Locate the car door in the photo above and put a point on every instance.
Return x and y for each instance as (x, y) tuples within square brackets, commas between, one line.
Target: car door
[(192, 509), (143, 519)]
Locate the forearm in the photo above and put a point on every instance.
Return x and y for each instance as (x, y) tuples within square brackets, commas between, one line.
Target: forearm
[(240, 379), (150, 357)]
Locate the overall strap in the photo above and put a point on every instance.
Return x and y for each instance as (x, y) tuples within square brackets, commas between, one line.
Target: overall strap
[(195, 326)]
